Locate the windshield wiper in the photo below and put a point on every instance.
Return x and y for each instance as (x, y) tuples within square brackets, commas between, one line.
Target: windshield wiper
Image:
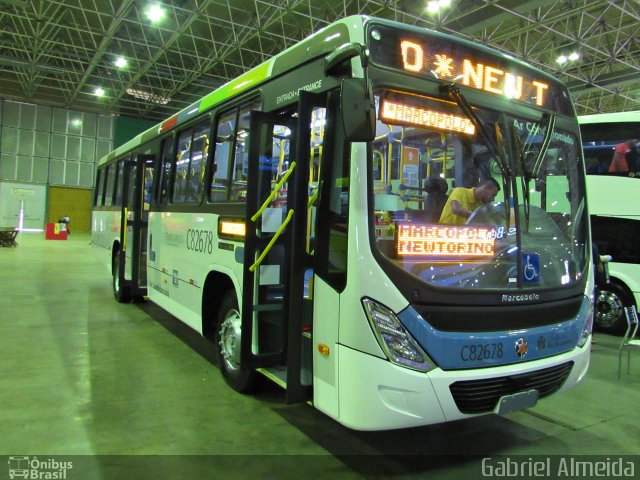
[(549, 126), (453, 92), (496, 149)]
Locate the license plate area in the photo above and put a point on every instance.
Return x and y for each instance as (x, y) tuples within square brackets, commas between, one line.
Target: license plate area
[(517, 401)]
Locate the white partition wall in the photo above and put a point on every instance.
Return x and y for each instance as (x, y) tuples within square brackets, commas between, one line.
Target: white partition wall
[(22, 205)]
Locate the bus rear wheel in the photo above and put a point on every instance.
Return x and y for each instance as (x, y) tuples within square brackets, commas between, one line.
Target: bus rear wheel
[(227, 340), (609, 314), (122, 293)]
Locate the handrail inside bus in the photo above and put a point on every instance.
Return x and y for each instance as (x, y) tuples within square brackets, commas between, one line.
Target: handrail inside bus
[(274, 192), (272, 241)]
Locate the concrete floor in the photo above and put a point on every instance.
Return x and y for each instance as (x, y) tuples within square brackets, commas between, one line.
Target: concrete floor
[(114, 384)]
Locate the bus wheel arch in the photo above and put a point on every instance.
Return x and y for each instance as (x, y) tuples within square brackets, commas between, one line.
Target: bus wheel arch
[(221, 323), (609, 309)]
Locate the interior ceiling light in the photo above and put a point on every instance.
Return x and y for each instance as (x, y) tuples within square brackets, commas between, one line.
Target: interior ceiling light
[(155, 13), (120, 62), (99, 92), (148, 96)]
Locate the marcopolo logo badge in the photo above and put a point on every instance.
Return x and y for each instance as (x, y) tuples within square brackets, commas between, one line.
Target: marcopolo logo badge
[(38, 469), (521, 347)]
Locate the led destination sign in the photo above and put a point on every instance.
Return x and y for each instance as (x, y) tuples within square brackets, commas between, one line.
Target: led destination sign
[(444, 240), (418, 58), (437, 57)]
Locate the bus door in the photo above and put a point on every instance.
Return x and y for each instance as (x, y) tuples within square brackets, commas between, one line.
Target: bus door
[(136, 197), (277, 289)]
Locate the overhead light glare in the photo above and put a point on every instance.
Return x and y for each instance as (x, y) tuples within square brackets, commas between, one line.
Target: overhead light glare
[(120, 62), (155, 13), (562, 59), (574, 56), (98, 92), (434, 6)]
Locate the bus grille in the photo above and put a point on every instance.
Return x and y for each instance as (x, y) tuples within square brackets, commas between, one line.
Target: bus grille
[(481, 396)]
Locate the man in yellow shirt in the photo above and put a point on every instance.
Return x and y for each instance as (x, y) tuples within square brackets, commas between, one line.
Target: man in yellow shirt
[(463, 201)]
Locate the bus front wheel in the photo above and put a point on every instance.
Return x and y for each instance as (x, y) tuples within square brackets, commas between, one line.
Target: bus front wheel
[(609, 314), (227, 340), (122, 293)]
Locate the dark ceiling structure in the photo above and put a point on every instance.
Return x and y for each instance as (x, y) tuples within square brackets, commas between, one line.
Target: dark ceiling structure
[(58, 52)]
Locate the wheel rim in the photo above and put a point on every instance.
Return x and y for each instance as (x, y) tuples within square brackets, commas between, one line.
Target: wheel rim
[(116, 276), (230, 340), (608, 308)]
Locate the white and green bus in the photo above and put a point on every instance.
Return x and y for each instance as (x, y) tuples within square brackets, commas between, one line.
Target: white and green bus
[(292, 216), (614, 206)]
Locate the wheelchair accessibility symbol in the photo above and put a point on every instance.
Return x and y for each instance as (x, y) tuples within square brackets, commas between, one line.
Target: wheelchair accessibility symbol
[(530, 268)]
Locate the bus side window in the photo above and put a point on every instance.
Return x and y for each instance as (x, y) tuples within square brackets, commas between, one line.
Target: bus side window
[(198, 158), (165, 171), (182, 166), (110, 183), (241, 156), (97, 201), (117, 198), (224, 143)]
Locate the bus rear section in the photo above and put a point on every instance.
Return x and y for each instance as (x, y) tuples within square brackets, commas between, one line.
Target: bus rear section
[(614, 196)]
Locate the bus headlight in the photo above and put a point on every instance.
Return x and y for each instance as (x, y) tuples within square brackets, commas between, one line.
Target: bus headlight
[(397, 344), (588, 325)]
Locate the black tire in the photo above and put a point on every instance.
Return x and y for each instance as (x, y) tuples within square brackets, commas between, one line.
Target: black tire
[(227, 342), (122, 293), (609, 310)]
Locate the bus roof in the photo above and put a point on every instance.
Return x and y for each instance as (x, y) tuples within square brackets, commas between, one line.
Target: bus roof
[(346, 30), (323, 41), (616, 117)]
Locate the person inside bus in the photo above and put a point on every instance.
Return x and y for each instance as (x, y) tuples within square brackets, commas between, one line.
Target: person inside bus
[(632, 157), (619, 160), (463, 201)]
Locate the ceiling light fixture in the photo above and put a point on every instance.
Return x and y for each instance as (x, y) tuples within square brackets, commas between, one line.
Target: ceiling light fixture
[(98, 92), (155, 13), (148, 96), (434, 6), (120, 62)]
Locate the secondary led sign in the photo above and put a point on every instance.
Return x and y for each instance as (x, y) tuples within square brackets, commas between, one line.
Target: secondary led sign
[(231, 228), (394, 112), (444, 240)]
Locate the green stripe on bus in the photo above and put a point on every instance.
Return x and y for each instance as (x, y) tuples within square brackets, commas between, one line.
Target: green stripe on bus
[(236, 86)]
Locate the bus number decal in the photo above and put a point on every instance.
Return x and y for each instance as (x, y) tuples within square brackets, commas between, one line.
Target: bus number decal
[(479, 352), (200, 240)]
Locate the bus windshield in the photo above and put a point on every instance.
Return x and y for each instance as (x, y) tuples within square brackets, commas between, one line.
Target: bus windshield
[(531, 234)]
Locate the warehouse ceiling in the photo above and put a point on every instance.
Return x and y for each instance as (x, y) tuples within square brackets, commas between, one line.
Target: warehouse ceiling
[(58, 52)]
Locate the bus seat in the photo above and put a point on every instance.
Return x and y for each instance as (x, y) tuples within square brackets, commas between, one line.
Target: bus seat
[(436, 189)]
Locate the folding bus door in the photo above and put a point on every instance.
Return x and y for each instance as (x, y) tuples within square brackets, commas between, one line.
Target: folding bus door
[(276, 306)]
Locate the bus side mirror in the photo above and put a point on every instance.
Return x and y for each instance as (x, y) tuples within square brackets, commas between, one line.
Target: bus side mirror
[(357, 110)]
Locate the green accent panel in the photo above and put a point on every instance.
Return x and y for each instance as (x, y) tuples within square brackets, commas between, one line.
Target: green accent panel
[(128, 127), (323, 42), (234, 87)]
